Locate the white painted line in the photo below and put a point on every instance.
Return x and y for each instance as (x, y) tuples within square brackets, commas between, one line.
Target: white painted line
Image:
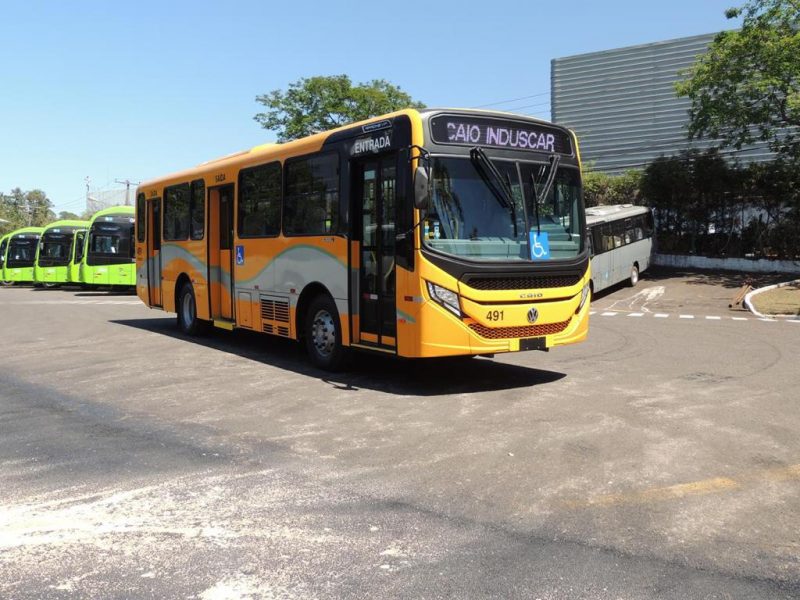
[(636, 315), (769, 320), (714, 318), (739, 318), (661, 316), (592, 312), (608, 314), (686, 316)]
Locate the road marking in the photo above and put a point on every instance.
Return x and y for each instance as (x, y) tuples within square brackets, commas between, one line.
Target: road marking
[(739, 318), (686, 316), (704, 487), (661, 316), (609, 314), (769, 320), (636, 315), (714, 318), (78, 302)]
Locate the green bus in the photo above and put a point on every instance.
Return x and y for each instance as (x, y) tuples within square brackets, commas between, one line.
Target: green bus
[(20, 255), (56, 252), (109, 258), (3, 245)]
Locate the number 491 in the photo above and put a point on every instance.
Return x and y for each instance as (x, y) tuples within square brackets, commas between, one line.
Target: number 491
[(494, 315)]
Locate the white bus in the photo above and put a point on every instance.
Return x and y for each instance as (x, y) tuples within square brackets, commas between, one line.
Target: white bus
[(620, 242)]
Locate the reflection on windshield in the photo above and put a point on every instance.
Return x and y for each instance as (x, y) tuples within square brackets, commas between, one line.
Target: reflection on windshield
[(465, 218)]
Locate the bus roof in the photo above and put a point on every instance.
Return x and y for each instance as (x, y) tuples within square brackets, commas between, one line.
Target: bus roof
[(67, 223), (113, 210), (312, 142), (26, 230), (603, 214)]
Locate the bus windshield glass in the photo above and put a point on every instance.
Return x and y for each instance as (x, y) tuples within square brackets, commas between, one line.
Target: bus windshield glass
[(55, 249), (22, 252), (111, 243), (468, 217)]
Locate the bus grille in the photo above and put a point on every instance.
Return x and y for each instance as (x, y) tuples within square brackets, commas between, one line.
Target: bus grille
[(274, 310), (524, 331), (275, 315), (523, 282)]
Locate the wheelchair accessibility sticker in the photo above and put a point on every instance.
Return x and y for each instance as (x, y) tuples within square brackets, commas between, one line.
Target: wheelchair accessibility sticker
[(239, 255), (539, 245)]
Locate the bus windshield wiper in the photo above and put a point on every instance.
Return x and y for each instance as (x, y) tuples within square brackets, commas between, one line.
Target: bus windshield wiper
[(554, 160), (500, 189)]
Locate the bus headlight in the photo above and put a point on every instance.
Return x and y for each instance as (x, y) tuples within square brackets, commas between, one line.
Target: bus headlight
[(584, 296), (445, 297)]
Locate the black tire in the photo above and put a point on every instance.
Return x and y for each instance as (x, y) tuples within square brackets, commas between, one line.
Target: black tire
[(6, 283), (634, 278), (188, 322), (322, 333)]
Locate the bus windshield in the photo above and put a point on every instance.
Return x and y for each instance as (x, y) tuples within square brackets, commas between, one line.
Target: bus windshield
[(22, 252), (55, 249), (111, 243), (466, 218)]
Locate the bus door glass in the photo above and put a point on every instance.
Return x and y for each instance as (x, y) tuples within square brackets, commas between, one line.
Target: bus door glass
[(154, 251), (376, 204), (220, 251)]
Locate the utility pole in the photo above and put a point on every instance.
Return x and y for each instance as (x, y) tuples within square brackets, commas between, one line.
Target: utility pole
[(127, 183), (87, 180)]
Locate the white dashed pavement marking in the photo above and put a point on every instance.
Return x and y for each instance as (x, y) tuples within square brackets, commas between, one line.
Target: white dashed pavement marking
[(612, 313)]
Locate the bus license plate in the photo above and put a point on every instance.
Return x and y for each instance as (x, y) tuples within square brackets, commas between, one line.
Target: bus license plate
[(532, 344)]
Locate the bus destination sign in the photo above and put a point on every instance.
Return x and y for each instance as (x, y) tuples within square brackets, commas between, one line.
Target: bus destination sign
[(497, 133)]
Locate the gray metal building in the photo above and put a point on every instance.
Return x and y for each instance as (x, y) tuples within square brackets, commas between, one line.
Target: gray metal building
[(622, 103)]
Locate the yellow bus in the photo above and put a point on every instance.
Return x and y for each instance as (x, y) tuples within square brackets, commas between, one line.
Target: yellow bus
[(420, 233)]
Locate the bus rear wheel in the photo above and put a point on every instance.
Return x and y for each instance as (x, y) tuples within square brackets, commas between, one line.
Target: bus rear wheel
[(188, 322), (6, 283), (323, 334)]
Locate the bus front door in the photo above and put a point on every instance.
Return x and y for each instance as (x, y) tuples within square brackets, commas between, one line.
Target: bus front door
[(154, 251), (375, 188), (220, 264)]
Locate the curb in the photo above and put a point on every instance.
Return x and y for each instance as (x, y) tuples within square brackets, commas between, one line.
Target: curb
[(749, 295)]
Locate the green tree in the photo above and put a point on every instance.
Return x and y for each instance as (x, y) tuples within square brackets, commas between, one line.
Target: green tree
[(65, 215), (23, 209), (321, 103), (600, 189), (747, 86)]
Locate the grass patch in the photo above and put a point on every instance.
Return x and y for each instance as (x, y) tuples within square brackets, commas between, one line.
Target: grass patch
[(780, 301)]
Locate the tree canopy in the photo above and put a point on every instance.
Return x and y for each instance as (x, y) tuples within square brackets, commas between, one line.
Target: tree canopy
[(23, 209), (746, 88), (319, 103)]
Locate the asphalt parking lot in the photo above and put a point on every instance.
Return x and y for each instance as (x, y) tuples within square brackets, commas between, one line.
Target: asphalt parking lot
[(659, 459)]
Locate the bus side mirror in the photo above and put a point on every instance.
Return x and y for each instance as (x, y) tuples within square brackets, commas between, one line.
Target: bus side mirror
[(422, 188)]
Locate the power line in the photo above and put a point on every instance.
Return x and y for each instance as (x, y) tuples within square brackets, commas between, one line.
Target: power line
[(512, 100)]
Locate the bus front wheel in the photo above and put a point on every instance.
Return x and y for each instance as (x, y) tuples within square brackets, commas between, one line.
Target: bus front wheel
[(323, 334), (634, 276), (6, 283), (188, 322)]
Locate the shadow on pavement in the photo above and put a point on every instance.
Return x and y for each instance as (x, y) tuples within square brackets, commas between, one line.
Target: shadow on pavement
[(429, 377), (727, 279)]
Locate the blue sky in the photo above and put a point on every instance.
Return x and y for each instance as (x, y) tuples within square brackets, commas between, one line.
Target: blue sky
[(116, 90)]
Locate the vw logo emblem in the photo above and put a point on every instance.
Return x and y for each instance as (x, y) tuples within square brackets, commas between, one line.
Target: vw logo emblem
[(533, 314)]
